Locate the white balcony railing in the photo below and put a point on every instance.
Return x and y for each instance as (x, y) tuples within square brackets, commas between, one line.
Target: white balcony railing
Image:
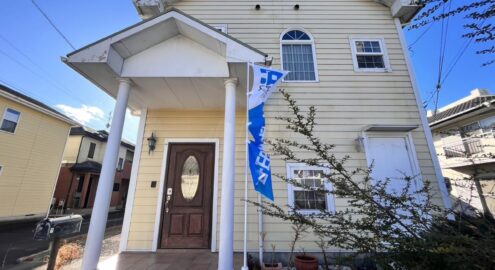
[(468, 147)]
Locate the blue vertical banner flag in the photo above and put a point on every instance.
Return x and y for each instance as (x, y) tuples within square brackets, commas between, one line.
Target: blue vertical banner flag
[(265, 82)]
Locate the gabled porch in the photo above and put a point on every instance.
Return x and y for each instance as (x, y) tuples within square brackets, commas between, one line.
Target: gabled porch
[(168, 68)]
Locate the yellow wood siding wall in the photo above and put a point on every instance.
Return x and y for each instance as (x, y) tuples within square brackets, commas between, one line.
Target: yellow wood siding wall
[(31, 158), (346, 101)]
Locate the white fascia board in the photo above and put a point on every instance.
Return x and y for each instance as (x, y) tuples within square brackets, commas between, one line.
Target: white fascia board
[(402, 9), (102, 51)]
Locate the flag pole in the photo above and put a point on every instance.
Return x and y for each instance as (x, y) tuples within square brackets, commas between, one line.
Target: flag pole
[(245, 266)]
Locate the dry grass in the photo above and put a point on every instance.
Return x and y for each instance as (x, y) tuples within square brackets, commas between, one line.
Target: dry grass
[(67, 253)]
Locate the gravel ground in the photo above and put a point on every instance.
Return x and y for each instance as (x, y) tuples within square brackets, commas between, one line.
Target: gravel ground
[(110, 247)]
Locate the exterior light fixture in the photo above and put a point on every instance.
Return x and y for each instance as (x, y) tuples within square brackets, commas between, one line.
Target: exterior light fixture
[(296, 7), (151, 143), (257, 7), (359, 144)]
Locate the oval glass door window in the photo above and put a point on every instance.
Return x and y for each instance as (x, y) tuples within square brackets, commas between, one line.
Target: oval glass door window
[(190, 178)]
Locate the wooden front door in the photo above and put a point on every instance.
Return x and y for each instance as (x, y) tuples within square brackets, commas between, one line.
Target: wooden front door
[(188, 196)]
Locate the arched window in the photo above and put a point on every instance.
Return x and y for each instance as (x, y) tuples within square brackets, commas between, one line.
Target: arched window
[(298, 56)]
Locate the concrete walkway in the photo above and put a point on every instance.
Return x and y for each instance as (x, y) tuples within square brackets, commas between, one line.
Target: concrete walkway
[(171, 259)]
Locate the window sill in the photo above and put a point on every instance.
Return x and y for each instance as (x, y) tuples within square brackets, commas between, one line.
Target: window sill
[(373, 70), (309, 212), (7, 132)]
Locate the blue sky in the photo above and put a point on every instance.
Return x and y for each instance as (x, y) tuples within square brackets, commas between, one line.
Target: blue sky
[(30, 51)]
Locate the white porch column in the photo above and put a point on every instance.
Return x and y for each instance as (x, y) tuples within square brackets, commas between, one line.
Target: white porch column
[(226, 249), (104, 191)]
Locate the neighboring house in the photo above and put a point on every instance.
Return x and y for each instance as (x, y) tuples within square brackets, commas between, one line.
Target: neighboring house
[(32, 141), (464, 132), (81, 167), (184, 70)]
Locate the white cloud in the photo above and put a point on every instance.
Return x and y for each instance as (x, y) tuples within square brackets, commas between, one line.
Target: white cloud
[(84, 114)]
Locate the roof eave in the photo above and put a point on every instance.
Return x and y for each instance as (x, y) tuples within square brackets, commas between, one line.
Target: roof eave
[(463, 115), (404, 10), (38, 108)]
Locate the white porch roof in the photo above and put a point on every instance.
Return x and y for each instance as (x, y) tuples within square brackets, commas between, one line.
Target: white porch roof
[(174, 60)]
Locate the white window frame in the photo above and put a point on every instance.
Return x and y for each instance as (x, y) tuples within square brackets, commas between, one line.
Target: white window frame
[(18, 121), (384, 53), (307, 42), (301, 166)]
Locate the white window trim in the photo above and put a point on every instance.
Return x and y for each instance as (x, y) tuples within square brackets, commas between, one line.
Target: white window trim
[(18, 121), (313, 49), (410, 146), (290, 198), (383, 46)]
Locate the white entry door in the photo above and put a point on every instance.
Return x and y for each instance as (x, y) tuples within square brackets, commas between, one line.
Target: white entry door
[(392, 158)]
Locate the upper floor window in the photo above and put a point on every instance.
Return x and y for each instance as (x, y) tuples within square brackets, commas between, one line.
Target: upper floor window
[(488, 124), (10, 120), (91, 152), (298, 56), (309, 200), (129, 155), (120, 165), (369, 55)]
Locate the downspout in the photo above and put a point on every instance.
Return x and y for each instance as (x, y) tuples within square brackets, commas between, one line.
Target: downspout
[(426, 128)]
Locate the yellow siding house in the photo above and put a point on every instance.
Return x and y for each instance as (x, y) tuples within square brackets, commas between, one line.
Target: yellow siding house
[(32, 142), (183, 69)]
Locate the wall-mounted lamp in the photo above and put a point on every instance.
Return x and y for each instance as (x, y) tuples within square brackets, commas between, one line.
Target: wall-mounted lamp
[(257, 7), (359, 144), (296, 7), (151, 143)]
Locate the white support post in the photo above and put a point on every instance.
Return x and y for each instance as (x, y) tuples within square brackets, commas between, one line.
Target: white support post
[(226, 251), (99, 215)]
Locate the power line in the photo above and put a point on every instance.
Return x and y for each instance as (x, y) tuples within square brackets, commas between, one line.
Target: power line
[(460, 53), (441, 60), (421, 35), (48, 78), (53, 25), (42, 77), (24, 91)]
